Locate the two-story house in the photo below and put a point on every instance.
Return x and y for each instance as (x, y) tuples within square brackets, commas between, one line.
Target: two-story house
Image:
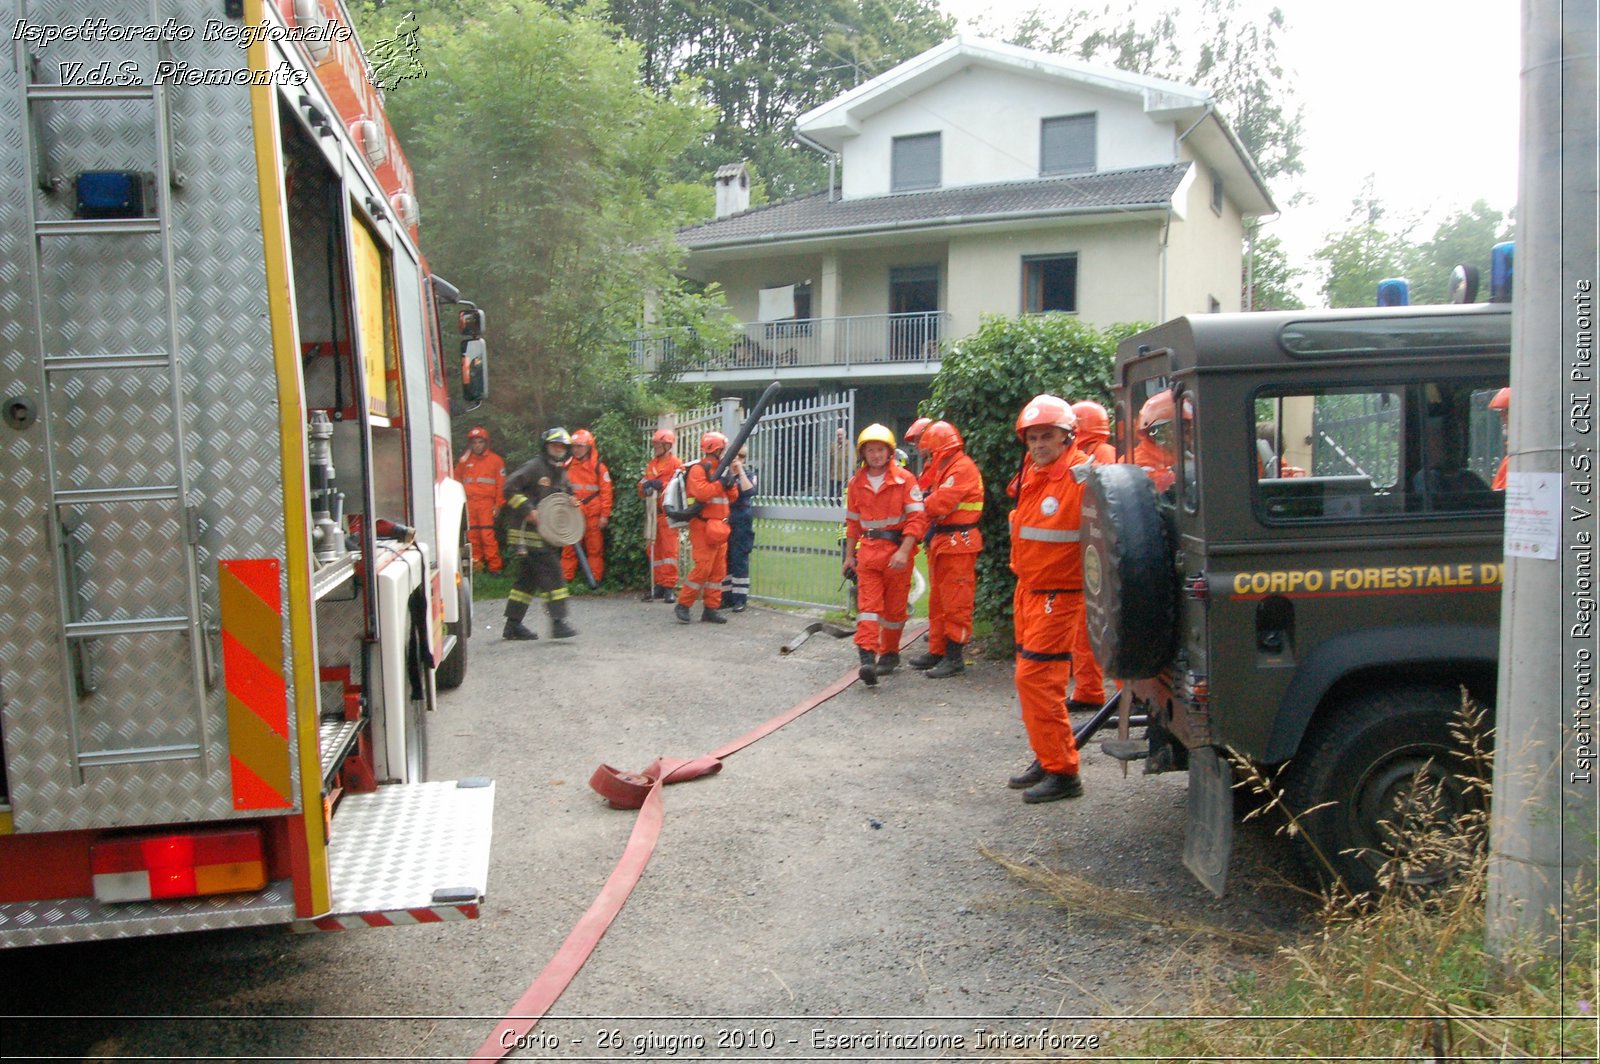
[(976, 178)]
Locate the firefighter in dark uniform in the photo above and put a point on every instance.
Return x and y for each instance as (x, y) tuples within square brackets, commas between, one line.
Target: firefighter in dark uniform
[(538, 563)]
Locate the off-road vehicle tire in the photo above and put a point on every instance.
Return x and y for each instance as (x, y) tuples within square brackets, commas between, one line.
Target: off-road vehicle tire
[(1358, 764), (1130, 588)]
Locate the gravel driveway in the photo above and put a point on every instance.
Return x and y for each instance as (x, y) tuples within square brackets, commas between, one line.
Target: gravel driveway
[(826, 882)]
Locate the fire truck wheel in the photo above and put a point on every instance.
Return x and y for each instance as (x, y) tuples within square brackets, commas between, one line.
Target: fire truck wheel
[(1130, 588), (1380, 778), (453, 669)]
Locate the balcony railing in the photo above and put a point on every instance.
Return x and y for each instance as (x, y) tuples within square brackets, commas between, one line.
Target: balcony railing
[(862, 340)]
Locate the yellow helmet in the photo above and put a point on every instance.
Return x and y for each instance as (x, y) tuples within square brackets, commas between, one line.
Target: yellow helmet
[(875, 433)]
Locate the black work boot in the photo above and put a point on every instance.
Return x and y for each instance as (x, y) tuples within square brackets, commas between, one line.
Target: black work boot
[(1054, 787), (925, 660), (887, 663), (867, 672), (516, 630), (1027, 777), (711, 616), (681, 612), (560, 629), (667, 594), (950, 665), (650, 595)]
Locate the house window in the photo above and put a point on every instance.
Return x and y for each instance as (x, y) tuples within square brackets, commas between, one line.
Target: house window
[(1216, 192), (1049, 282), (799, 323), (1066, 145), (914, 163)]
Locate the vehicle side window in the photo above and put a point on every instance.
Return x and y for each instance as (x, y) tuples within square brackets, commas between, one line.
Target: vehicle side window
[(1354, 454), (1154, 435)]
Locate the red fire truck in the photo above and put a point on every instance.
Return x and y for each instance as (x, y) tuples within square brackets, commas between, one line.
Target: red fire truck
[(233, 562)]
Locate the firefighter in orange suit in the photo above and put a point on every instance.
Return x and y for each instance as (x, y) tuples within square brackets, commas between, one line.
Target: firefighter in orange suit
[(1088, 681), (591, 486), (884, 520), (483, 474), (1048, 602), (1501, 405), (709, 530), (664, 549), (953, 496), (1153, 448), (1094, 432)]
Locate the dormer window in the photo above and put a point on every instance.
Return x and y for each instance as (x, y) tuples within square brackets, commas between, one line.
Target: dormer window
[(914, 163), (1066, 145)]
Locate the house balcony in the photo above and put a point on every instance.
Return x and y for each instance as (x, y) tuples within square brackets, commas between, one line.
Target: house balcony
[(876, 347)]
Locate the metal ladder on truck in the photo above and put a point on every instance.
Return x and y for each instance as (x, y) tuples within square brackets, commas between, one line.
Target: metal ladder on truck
[(86, 507)]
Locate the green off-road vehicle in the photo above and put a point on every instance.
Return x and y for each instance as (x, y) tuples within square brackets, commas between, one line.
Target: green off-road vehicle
[(1316, 576)]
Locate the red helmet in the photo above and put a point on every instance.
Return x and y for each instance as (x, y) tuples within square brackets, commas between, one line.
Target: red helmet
[(1092, 419), (1156, 411), (1046, 410), (478, 433), (917, 428), (940, 436), (712, 442), (1501, 400), (666, 436), (583, 438)]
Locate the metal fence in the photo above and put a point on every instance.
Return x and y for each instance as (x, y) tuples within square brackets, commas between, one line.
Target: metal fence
[(862, 339), (803, 453)]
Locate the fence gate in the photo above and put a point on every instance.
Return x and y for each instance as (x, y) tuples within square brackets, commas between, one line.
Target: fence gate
[(803, 453)]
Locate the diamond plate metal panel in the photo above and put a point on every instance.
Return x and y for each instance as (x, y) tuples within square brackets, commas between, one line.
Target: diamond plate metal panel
[(107, 295), (46, 923), (393, 848)]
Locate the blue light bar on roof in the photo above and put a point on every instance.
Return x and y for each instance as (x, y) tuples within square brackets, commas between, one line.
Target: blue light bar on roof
[(1502, 257), (1394, 292)]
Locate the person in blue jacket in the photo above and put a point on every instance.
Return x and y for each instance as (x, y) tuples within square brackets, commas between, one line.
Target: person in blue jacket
[(742, 522)]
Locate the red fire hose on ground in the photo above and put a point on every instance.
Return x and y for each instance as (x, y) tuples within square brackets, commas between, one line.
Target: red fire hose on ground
[(641, 791)]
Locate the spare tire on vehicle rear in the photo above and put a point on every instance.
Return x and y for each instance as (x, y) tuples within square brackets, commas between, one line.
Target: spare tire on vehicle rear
[(1130, 587)]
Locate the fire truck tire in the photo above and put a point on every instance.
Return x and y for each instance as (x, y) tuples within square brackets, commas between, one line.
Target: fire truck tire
[(453, 669), (1130, 587), (1354, 777)]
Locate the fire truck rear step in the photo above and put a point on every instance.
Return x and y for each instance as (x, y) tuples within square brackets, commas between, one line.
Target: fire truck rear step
[(336, 741), (42, 923), (417, 853)]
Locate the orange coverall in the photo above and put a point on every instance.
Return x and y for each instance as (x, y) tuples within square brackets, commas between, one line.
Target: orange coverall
[(591, 486), (1157, 460), (664, 551), (1089, 682), (1095, 446), (876, 520), (954, 502), (1048, 604), (708, 535), (484, 478)]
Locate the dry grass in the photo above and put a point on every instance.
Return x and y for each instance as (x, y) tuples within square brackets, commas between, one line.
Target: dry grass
[(1403, 975)]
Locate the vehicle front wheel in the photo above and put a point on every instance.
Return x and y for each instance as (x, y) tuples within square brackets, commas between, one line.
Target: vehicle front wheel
[(1376, 776), (452, 670)]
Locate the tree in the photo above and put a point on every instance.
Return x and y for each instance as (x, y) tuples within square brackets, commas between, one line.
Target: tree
[(1465, 237), (984, 381), (763, 63), (1363, 254), (541, 167), (1272, 280)]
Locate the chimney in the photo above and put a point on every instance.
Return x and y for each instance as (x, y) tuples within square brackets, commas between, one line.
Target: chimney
[(733, 189)]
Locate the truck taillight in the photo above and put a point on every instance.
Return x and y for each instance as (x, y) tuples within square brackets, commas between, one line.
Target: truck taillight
[(154, 867), (1196, 688), (1196, 587)]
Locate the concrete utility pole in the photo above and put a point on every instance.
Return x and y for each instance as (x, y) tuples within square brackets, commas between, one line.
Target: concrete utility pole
[(1543, 834)]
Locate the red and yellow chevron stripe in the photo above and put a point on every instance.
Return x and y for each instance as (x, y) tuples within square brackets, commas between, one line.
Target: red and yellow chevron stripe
[(252, 668)]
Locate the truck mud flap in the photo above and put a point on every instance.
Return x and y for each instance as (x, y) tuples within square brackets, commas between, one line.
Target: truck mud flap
[(1208, 836), (415, 853)]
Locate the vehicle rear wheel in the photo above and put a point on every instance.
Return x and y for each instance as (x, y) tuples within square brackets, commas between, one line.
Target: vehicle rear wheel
[(1357, 774), (453, 669), (1130, 587)]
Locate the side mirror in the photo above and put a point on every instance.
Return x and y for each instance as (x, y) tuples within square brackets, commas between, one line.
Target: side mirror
[(474, 370)]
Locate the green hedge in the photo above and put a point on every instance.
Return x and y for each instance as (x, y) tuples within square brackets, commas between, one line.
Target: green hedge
[(984, 382)]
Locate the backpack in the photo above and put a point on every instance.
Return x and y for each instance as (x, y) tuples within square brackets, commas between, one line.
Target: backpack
[(675, 500)]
